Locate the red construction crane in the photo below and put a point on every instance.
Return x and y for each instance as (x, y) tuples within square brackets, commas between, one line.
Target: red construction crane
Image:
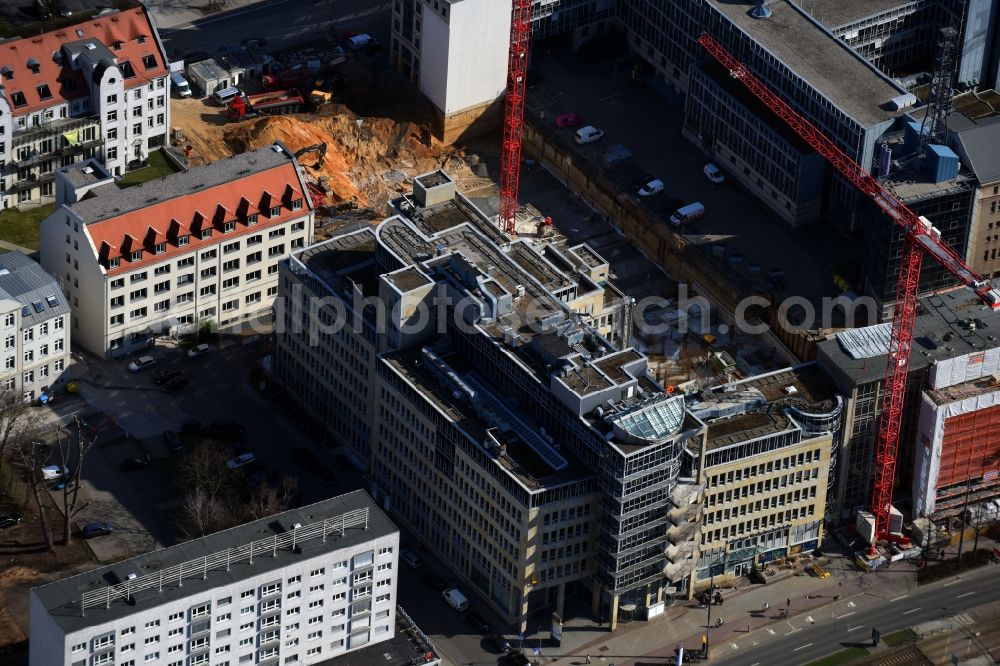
[(920, 237), (513, 114)]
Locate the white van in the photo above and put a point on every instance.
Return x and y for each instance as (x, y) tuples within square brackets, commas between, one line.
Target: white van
[(223, 96), (588, 134), (456, 599), (180, 84), (687, 214)]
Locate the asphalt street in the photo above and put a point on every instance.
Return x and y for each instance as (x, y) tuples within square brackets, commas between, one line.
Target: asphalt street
[(850, 622), (282, 22)]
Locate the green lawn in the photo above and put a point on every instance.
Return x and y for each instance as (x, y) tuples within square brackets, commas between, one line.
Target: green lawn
[(21, 226), (158, 167), (842, 657), (901, 637)]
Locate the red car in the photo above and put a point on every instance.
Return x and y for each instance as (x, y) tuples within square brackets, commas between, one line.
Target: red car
[(569, 120)]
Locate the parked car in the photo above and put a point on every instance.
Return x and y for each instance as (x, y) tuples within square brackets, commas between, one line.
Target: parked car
[(175, 384), (164, 376), (588, 134), (478, 623), (64, 484), (96, 529), (498, 643), (569, 120), (134, 462), (435, 582), (9, 520), (51, 472), (713, 174), (141, 363), (172, 441), (651, 188), (240, 461), (669, 206), (454, 598), (410, 558), (199, 350)]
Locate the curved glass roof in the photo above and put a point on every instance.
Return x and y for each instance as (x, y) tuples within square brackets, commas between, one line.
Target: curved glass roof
[(652, 421)]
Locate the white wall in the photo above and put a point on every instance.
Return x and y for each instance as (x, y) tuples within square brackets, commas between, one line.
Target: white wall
[(463, 63)]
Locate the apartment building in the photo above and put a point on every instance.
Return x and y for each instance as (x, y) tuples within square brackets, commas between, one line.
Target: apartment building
[(768, 463), (975, 145), (35, 330), (949, 325), (171, 254), (97, 89), (538, 459), (298, 587)]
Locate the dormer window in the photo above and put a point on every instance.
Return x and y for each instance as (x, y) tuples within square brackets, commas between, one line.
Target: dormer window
[(182, 240), (44, 92), (160, 248), (8, 72), (206, 233), (275, 211), (34, 66), (118, 45), (297, 204), (149, 61), (141, 39), (251, 219), (17, 98), (127, 70), (229, 226), (79, 33), (114, 262), (136, 255)]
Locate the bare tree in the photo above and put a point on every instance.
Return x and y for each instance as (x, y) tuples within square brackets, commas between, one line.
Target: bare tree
[(73, 448), (267, 500), (210, 499), (16, 418), (30, 455)]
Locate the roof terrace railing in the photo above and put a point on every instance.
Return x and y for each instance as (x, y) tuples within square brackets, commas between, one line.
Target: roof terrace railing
[(223, 560)]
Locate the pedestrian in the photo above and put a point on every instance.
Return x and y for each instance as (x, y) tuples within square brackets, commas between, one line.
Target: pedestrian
[(588, 659), (788, 603)]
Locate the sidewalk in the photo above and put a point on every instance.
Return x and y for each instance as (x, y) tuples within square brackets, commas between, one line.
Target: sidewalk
[(178, 14), (684, 624)]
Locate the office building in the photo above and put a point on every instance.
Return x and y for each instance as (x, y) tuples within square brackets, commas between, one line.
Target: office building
[(976, 145), (36, 333), (538, 459), (96, 89), (195, 247), (299, 587), (949, 326), (769, 461)]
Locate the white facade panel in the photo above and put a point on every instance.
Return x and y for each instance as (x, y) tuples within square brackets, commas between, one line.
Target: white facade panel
[(965, 368), (478, 46)]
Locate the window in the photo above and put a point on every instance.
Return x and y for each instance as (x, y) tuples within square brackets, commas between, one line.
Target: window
[(231, 265), (162, 306), (208, 272), (29, 333), (174, 617), (253, 258), (276, 251), (205, 234), (127, 631), (316, 572), (117, 320), (79, 647), (44, 92), (229, 226), (114, 262), (29, 356), (270, 588), (254, 240), (139, 277), (207, 312), (209, 254), (118, 283), (112, 153), (230, 283), (186, 297), (229, 306), (276, 233), (208, 290), (201, 611), (128, 648), (137, 295), (9, 320), (185, 262), (251, 219), (136, 255), (314, 635), (229, 248), (298, 226), (297, 205), (112, 99), (161, 287), (149, 62), (294, 580), (253, 276)]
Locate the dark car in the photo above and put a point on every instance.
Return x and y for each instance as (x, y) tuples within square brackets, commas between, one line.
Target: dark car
[(64, 484), (478, 623), (134, 463), (172, 441), (95, 530), (670, 206), (166, 376), (498, 643), (640, 183), (9, 520), (516, 658), (175, 384)]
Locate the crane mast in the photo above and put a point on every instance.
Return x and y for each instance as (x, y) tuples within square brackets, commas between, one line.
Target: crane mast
[(513, 116), (920, 237)]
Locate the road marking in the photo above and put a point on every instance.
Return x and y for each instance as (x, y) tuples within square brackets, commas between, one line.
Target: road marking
[(735, 646), (802, 647), (912, 610), (756, 663), (967, 594), (899, 597), (771, 631), (810, 620), (838, 617), (850, 604), (789, 633), (954, 582), (860, 626)]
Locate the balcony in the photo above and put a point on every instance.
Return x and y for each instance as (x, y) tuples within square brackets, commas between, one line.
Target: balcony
[(681, 551), (682, 514), (686, 492), (678, 534), (681, 569), (33, 181)]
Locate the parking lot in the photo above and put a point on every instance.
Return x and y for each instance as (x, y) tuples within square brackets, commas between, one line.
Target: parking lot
[(649, 126)]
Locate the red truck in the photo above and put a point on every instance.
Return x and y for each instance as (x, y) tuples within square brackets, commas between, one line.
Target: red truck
[(279, 101), (296, 77)]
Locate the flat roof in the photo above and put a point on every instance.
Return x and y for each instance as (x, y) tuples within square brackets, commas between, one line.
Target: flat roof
[(819, 58), (977, 387), (941, 331), (62, 598), (837, 13)]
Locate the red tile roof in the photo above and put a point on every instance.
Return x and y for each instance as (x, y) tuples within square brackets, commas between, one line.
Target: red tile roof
[(123, 29), (165, 221)]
